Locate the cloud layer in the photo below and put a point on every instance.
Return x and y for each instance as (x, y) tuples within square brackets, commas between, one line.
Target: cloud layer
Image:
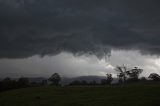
[(68, 65), (48, 27)]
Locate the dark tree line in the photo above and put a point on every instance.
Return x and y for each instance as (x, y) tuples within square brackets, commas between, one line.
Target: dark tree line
[(7, 83), (125, 75)]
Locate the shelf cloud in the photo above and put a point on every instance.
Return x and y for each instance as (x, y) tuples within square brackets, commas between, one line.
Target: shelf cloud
[(48, 27)]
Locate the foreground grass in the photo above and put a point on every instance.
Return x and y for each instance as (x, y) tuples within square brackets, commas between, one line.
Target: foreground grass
[(83, 96)]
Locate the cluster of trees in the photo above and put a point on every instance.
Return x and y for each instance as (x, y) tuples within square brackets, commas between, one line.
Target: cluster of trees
[(129, 75), (124, 75), (7, 83)]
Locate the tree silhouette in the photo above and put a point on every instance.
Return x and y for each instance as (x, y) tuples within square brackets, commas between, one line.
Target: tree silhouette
[(122, 73), (154, 76), (55, 79), (109, 79), (134, 73)]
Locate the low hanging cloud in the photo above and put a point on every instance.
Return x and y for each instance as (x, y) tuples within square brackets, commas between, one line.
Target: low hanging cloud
[(48, 27)]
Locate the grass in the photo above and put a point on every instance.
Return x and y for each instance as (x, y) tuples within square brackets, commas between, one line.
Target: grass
[(139, 95)]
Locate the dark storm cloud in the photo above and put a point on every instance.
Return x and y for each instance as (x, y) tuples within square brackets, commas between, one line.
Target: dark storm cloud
[(48, 27)]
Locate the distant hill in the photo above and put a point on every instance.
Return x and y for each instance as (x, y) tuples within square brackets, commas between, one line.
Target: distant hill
[(66, 81)]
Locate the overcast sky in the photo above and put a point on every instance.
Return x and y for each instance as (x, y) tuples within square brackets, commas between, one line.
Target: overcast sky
[(78, 37)]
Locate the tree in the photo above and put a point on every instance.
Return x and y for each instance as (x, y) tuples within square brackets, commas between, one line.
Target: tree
[(154, 77), (55, 79), (109, 79), (134, 73), (122, 73)]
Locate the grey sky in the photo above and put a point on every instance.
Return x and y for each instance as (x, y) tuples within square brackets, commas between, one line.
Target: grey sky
[(56, 30)]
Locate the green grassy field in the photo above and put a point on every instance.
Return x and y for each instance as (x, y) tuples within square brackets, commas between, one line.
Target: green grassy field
[(83, 96)]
